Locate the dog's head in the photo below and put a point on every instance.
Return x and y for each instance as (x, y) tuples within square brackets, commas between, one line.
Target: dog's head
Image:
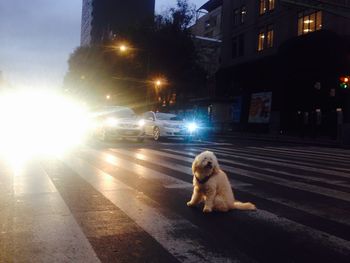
[(204, 165)]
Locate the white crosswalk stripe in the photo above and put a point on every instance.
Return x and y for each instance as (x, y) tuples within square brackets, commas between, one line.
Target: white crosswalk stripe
[(147, 214), (336, 243), (54, 227), (284, 182), (196, 143), (236, 184), (280, 162), (304, 153), (54, 233)]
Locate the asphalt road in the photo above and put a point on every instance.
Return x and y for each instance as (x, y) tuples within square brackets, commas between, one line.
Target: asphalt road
[(126, 202)]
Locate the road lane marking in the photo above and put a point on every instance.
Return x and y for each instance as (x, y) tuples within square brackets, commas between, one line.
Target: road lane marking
[(274, 161), (146, 213), (236, 184), (336, 151), (310, 154), (293, 159), (311, 178), (142, 171), (280, 181), (42, 229)]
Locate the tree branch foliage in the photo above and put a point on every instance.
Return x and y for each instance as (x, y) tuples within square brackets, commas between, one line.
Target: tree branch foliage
[(165, 49)]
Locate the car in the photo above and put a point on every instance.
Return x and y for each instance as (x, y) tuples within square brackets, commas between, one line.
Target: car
[(117, 122), (161, 125)]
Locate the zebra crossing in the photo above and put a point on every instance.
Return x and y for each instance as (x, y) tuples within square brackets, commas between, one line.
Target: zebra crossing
[(128, 204)]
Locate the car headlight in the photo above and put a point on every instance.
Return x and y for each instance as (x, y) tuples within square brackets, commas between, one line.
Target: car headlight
[(192, 127), (141, 122), (111, 122)]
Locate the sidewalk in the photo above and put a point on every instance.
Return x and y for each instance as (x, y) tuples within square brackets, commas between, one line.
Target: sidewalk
[(319, 141)]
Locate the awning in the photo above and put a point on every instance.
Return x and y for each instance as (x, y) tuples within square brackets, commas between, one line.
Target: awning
[(211, 5)]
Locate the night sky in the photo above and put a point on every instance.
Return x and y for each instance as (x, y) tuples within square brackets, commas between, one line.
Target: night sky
[(37, 37)]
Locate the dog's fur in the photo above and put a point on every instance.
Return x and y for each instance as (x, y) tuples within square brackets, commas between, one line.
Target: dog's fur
[(212, 186)]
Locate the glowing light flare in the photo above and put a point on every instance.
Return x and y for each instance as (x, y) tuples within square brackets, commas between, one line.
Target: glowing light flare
[(111, 122), (141, 122), (192, 127), (123, 48), (40, 123)]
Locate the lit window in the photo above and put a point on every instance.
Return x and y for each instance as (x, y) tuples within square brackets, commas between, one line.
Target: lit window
[(269, 40), (261, 40), (265, 6), (239, 15), (265, 38), (318, 20), (309, 23), (262, 8), (243, 14)]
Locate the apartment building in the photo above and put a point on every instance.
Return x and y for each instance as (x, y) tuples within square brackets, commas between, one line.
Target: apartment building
[(281, 61)]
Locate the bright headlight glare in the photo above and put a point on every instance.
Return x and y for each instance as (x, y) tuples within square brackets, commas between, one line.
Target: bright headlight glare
[(40, 123), (192, 127), (111, 122), (141, 122)]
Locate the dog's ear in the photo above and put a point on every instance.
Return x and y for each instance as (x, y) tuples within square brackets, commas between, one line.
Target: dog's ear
[(194, 165), (216, 164)]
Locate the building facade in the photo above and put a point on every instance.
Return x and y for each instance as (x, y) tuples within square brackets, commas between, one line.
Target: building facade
[(207, 36), (103, 19), (281, 61)]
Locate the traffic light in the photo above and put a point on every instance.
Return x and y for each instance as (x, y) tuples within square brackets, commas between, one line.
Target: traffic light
[(344, 82)]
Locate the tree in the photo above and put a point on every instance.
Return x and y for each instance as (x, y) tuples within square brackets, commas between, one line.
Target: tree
[(97, 71), (165, 49)]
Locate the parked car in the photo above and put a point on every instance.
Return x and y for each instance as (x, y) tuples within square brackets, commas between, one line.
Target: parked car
[(164, 125), (117, 123)]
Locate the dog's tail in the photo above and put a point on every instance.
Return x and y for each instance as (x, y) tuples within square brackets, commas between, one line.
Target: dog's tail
[(243, 206)]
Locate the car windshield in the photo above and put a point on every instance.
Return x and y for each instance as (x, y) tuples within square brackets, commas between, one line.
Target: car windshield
[(167, 117), (116, 112), (123, 113)]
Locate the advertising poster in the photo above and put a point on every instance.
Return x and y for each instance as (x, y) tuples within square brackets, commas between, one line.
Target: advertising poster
[(260, 107), (236, 109)]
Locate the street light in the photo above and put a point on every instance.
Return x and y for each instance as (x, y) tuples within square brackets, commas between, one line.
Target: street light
[(123, 48), (108, 97), (158, 82)]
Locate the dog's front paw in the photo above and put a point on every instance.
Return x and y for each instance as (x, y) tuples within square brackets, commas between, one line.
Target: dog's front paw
[(252, 206), (190, 204), (207, 209)]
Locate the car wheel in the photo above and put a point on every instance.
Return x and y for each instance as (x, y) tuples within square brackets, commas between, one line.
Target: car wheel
[(156, 134)]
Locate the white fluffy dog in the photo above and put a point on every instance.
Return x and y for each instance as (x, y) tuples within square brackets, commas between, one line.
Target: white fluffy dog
[(212, 186)]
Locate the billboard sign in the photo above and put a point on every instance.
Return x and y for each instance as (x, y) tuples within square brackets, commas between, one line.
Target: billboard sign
[(260, 107)]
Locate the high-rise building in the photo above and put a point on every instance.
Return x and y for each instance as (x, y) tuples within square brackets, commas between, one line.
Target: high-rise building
[(102, 19)]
